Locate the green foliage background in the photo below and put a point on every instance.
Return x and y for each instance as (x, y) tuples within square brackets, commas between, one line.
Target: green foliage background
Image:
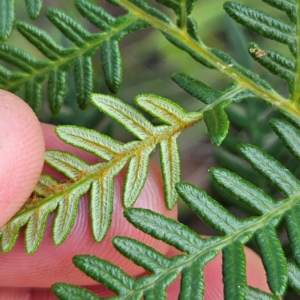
[(149, 61)]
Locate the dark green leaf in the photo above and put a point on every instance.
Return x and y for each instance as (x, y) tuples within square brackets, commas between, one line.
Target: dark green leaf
[(112, 64), (208, 209), (34, 8), (245, 191), (292, 221), (217, 122), (289, 6), (104, 272), (275, 63), (271, 169), (84, 80), (56, 90), (142, 255), (294, 276), (33, 95), (196, 88), (69, 27), (162, 228), (273, 259), (234, 271), (192, 283), (256, 294), (67, 291), (262, 23), (288, 134), (20, 58), (41, 40), (95, 14), (7, 17)]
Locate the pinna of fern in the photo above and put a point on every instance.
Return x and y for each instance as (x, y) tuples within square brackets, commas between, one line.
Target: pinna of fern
[(7, 15), (99, 178), (30, 72), (234, 234)]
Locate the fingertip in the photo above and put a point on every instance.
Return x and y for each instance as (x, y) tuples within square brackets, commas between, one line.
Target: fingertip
[(21, 153)]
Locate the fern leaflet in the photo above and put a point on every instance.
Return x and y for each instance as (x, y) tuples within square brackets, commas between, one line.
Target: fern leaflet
[(98, 178), (235, 233)]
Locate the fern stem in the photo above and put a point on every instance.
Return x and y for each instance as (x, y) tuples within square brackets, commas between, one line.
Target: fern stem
[(295, 97), (67, 60), (269, 96)]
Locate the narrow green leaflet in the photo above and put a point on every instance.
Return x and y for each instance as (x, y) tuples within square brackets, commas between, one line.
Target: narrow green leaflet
[(234, 270), (95, 14), (292, 223), (289, 6), (294, 276), (90, 140), (33, 95), (102, 196), (256, 294), (242, 189), (66, 214), (164, 109), (112, 64), (65, 291), (84, 80), (192, 283), (36, 227), (41, 40), (212, 212), (68, 164), (196, 88), (217, 122), (162, 228), (7, 16), (56, 90), (34, 8), (271, 169), (273, 259), (262, 23), (275, 63), (136, 176), (69, 27), (102, 271), (142, 255), (130, 118), (170, 163), (288, 134)]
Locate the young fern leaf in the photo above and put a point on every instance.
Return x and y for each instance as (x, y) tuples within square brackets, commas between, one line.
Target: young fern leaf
[(60, 59), (50, 195), (235, 233), (7, 15)]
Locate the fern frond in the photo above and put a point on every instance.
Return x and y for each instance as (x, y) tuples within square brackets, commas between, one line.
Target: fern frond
[(50, 195), (60, 59), (7, 15), (235, 233), (279, 30)]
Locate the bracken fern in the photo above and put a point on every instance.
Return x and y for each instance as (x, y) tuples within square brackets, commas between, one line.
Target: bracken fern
[(98, 178)]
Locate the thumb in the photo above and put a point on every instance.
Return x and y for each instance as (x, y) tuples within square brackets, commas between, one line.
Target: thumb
[(21, 153)]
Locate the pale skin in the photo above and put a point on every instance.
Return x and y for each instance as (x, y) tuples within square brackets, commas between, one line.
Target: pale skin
[(23, 141)]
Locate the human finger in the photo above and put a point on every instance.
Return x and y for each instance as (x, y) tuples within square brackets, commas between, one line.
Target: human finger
[(21, 153), (50, 264)]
